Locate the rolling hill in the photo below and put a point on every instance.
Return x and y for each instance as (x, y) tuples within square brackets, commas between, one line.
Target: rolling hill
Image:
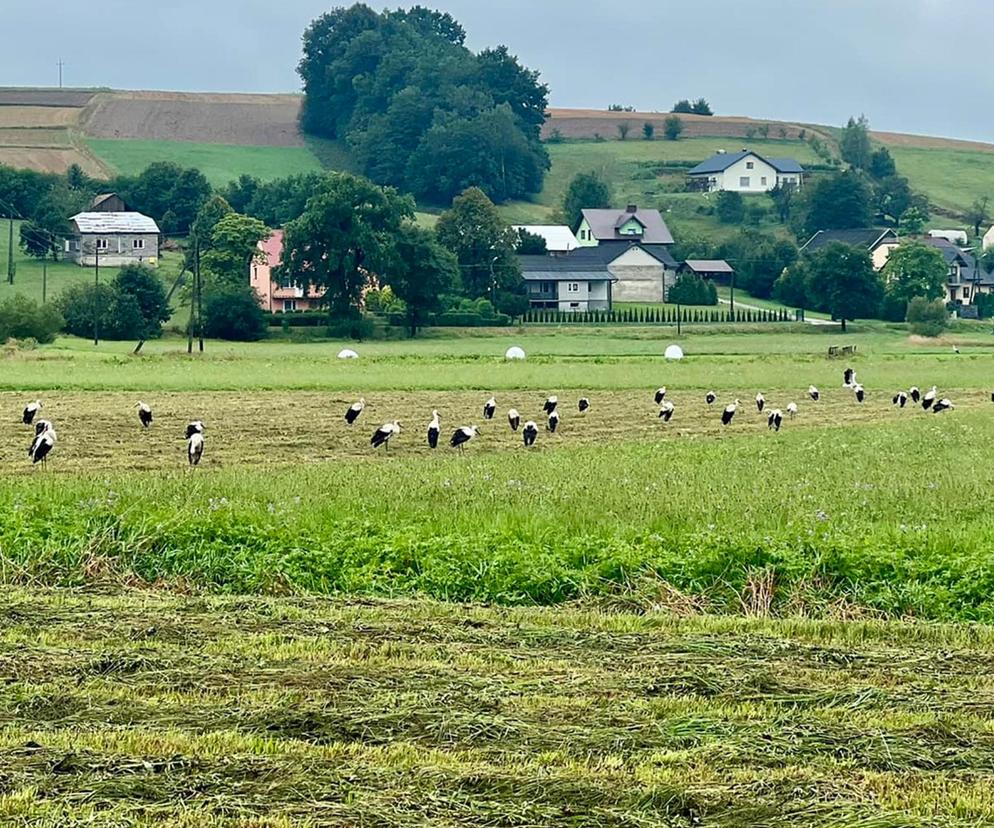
[(229, 134)]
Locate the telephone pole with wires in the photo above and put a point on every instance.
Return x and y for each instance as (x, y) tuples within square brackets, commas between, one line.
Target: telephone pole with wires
[(10, 251)]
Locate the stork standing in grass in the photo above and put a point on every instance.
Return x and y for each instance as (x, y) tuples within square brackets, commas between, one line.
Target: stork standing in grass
[(774, 420), (144, 414), (550, 405), (900, 399), (792, 410), (583, 406), (43, 442), (434, 430), (729, 413), (530, 433), (710, 398), (195, 447), (915, 394), (489, 409), (942, 405), (760, 402), (383, 435), (513, 419), (463, 435), (660, 395), (814, 393), (553, 421), (666, 411), (848, 378), (860, 392), (929, 399), (30, 412), (355, 410)]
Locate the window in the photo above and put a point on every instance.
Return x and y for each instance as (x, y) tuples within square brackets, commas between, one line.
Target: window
[(745, 182), (138, 244), (573, 287), (102, 244), (750, 165), (574, 306), (289, 305), (763, 180)]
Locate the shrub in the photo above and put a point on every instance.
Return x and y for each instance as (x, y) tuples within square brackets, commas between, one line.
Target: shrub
[(23, 318), (927, 318), (232, 312), (149, 294), (730, 207), (673, 127), (101, 310), (692, 290), (358, 328)]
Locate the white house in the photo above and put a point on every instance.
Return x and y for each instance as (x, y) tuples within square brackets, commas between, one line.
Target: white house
[(558, 238), (989, 239), (952, 236), (746, 172), (113, 239), (557, 283)]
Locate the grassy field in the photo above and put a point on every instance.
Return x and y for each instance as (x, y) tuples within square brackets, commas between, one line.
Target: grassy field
[(221, 164), (142, 709), (29, 279), (951, 178)]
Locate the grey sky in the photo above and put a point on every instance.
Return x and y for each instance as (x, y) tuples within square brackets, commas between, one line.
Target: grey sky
[(910, 65)]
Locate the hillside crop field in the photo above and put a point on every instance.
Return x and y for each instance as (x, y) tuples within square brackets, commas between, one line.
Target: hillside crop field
[(634, 623)]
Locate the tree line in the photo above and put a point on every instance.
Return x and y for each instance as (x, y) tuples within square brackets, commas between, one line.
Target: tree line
[(418, 109)]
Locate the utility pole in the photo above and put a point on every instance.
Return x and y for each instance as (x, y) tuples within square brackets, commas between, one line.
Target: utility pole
[(44, 281), (61, 67), (10, 251), (200, 296), (96, 293)]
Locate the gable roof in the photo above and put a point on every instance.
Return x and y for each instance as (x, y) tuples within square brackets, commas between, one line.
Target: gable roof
[(100, 199), (110, 223), (868, 237), (721, 161), (595, 259), (950, 252), (604, 225), (558, 238), (709, 266)]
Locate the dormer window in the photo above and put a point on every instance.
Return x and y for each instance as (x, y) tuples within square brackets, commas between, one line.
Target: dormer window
[(750, 165)]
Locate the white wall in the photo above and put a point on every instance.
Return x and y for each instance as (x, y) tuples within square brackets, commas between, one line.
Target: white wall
[(730, 179)]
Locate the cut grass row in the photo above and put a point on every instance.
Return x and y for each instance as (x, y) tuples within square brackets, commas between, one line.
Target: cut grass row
[(138, 709)]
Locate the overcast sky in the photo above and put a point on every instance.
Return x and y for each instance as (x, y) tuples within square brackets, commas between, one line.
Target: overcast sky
[(910, 65)]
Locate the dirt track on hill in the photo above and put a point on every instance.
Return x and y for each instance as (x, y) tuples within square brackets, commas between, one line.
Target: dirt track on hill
[(241, 120)]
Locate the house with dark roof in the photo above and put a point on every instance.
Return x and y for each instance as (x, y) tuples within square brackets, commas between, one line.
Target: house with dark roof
[(108, 203), (745, 172), (878, 241), (631, 224), (716, 270), (593, 278), (967, 278)]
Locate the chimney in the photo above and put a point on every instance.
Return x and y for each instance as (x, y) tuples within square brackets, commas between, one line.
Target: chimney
[(632, 208)]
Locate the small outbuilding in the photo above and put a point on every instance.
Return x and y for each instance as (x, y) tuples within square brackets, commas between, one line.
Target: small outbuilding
[(717, 270), (113, 239)]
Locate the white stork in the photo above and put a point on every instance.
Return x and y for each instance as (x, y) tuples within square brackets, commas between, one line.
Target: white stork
[(792, 410), (729, 413), (463, 435), (489, 409), (354, 411), (195, 448), (774, 420), (550, 405), (814, 393), (30, 412), (660, 395), (760, 402), (382, 435), (553, 421), (666, 410), (929, 399), (710, 398), (955, 349), (530, 433), (583, 406), (513, 419), (848, 378), (434, 430), (196, 427), (860, 392), (901, 398), (144, 414), (43, 443), (942, 405), (915, 394)]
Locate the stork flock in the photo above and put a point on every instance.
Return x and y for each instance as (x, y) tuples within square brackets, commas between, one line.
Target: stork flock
[(45, 436)]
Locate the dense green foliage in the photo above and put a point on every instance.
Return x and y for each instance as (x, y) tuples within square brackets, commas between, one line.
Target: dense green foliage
[(585, 191), (927, 318), (420, 110), (915, 269), (132, 306), (855, 143), (426, 271), (843, 283), (232, 312), (729, 207), (759, 260), (673, 127), (23, 318), (692, 290), (838, 201)]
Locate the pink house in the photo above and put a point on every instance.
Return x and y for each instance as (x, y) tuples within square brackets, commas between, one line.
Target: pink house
[(275, 295)]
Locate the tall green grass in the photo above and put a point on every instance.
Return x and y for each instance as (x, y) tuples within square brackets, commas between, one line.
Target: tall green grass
[(892, 518)]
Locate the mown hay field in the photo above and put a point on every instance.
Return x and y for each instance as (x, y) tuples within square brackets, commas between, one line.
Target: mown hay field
[(146, 709)]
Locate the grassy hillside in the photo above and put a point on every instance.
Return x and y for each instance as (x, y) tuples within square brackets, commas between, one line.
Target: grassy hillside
[(220, 163), (952, 178)]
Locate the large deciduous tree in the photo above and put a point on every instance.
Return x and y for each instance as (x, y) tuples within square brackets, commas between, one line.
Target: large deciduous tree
[(915, 269), (587, 191), (424, 273), (234, 244), (842, 282), (837, 202), (483, 244), (346, 234)]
